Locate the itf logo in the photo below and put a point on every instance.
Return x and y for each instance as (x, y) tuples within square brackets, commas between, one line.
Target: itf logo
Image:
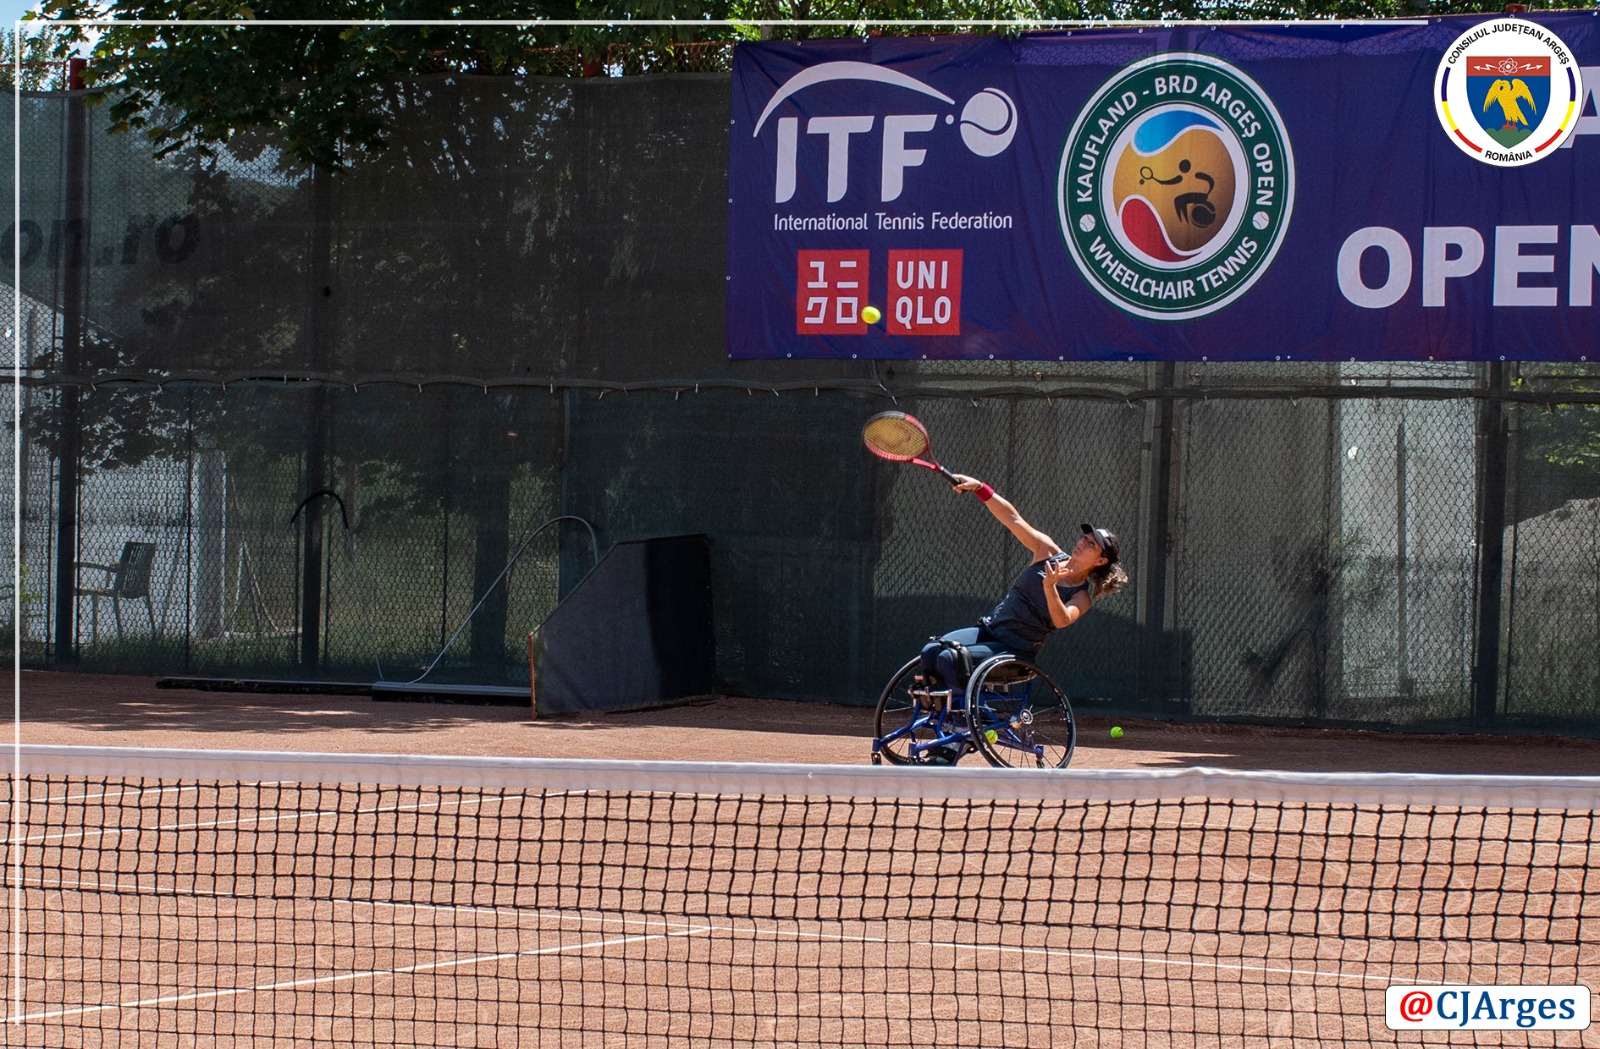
[(1509, 92), (1462, 1007), (987, 125), (1176, 186)]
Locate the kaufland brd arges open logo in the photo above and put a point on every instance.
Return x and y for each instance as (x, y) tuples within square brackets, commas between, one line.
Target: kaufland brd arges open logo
[(1176, 186)]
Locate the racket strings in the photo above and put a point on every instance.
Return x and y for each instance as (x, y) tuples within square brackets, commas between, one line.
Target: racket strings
[(895, 438)]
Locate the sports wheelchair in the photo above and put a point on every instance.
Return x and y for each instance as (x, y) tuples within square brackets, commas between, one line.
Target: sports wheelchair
[(1012, 713)]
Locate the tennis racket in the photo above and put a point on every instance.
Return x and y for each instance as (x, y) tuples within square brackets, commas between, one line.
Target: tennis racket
[(899, 438)]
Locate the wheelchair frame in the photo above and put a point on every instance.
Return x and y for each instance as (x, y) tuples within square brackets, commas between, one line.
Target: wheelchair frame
[(1019, 718)]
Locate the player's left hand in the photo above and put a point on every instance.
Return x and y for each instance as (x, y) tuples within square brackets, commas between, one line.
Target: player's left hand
[(1055, 569)]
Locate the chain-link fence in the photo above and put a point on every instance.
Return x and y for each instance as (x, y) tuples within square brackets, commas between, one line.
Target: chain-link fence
[(317, 427)]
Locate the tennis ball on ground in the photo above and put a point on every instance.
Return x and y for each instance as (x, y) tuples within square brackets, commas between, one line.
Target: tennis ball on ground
[(871, 315), (1116, 731)]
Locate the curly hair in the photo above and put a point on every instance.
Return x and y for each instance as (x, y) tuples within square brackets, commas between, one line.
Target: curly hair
[(1106, 580)]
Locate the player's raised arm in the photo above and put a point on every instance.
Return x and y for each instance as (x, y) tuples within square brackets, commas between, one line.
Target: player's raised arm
[(1038, 543)]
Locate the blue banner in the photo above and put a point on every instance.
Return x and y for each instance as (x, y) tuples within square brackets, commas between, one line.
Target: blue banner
[(1424, 190)]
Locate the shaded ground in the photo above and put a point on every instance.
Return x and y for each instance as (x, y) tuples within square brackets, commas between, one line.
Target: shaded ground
[(98, 710)]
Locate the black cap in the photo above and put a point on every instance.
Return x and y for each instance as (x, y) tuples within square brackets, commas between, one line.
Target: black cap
[(1107, 540)]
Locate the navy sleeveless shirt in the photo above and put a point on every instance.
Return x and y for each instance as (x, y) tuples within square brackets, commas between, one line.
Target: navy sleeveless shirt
[(1021, 621)]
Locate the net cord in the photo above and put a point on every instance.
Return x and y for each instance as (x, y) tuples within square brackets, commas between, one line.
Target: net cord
[(1580, 793)]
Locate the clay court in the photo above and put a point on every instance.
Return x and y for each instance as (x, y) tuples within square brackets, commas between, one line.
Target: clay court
[(243, 901), (96, 710)]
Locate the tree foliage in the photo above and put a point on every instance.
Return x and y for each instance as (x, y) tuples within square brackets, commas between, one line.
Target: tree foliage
[(1565, 437), (44, 57), (314, 84), (200, 85)]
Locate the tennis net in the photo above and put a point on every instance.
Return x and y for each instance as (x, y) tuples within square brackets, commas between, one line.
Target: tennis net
[(163, 898)]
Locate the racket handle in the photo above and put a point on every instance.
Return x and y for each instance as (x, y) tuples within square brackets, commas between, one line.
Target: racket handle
[(948, 476)]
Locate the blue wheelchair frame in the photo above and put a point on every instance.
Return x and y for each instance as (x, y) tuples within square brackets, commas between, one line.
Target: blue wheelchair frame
[(943, 725)]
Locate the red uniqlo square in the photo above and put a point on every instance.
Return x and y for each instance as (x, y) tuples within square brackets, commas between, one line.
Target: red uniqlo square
[(924, 292), (830, 292)]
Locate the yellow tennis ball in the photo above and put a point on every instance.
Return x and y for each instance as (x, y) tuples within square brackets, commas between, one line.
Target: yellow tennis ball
[(871, 315), (1116, 732), (990, 735)]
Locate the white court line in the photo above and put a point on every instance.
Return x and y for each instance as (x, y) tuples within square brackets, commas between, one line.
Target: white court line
[(113, 832), (1190, 963), (134, 792), (101, 833), (685, 927), (673, 928), (370, 974)]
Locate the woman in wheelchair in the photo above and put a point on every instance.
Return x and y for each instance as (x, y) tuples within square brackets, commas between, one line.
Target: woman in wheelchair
[(1053, 592)]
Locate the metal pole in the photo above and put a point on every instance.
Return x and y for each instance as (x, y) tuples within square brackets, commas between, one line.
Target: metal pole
[(448, 505), (319, 291), (1155, 665), (73, 258), (1493, 446), (1402, 566), (188, 531)]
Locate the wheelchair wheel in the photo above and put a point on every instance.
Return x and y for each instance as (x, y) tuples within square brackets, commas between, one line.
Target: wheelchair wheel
[(906, 716), (1020, 717)]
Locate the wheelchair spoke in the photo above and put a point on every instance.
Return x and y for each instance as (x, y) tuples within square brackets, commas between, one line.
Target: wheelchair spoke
[(914, 725), (1022, 719)]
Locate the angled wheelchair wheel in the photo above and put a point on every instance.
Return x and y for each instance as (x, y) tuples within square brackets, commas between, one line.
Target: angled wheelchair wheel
[(1020, 717), (907, 716)]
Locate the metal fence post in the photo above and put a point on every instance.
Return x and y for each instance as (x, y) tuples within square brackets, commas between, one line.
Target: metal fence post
[(1155, 663), (1493, 451), (74, 261), (316, 475)]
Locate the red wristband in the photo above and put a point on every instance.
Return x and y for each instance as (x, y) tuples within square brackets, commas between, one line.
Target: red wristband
[(984, 493)]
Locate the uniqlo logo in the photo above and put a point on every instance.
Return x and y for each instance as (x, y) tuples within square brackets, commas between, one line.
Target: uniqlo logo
[(924, 292), (831, 291)]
